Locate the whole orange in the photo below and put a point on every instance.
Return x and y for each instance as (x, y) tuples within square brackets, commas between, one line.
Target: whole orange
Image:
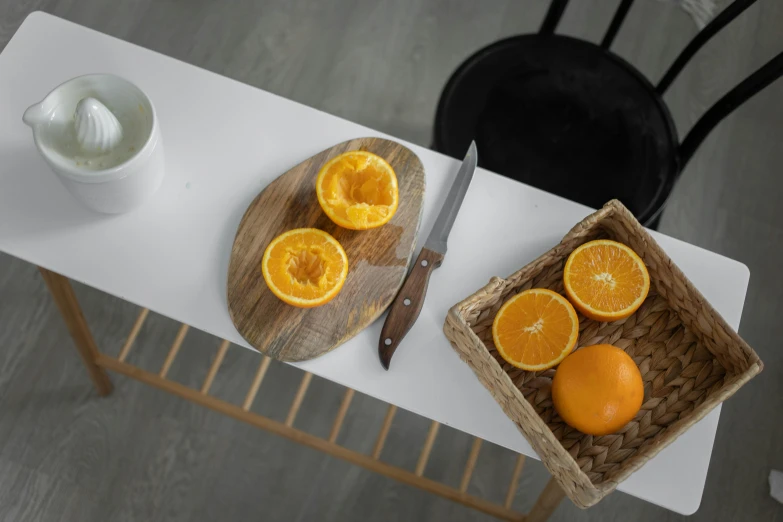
[(597, 389)]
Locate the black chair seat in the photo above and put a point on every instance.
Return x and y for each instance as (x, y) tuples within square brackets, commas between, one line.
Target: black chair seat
[(565, 116)]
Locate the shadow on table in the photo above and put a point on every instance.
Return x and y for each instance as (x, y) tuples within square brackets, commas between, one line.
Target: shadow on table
[(37, 195)]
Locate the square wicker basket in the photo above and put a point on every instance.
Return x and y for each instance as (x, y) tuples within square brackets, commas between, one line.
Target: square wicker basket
[(690, 360)]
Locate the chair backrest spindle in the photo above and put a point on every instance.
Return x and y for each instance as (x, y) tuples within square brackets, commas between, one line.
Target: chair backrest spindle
[(553, 15), (617, 21), (719, 22), (748, 88)]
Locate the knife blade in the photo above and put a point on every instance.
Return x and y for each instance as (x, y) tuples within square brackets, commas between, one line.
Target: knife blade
[(406, 307)]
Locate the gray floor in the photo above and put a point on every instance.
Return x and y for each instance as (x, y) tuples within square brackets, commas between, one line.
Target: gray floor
[(142, 455)]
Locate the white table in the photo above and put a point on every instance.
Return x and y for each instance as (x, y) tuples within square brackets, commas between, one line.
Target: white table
[(224, 142)]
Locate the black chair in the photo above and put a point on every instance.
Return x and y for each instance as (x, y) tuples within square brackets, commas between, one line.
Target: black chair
[(572, 118)]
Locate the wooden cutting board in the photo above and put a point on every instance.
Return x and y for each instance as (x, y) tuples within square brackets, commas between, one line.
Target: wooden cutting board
[(377, 259)]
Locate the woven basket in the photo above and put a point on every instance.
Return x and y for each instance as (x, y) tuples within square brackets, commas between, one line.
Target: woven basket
[(690, 360)]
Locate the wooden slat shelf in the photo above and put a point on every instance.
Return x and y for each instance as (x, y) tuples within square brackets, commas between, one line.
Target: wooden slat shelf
[(286, 429)]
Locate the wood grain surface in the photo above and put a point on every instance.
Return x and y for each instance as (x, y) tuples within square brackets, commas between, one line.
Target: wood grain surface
[(377, 259)]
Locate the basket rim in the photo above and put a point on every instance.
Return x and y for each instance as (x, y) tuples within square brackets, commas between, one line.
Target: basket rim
[(735, 377), (574, 467)]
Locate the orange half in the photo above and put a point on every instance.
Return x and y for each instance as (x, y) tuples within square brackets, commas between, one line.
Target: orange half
[(358, 190), (606, 280), (535, 329), (305, 267)]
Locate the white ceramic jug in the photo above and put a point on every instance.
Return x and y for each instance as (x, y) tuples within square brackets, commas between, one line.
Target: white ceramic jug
[(108, 153)]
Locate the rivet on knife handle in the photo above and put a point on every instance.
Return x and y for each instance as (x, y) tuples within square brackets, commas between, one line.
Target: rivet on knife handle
[(407, 305)]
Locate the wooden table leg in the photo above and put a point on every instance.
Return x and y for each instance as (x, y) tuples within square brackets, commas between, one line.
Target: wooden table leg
[(547, 502), (62, 292)]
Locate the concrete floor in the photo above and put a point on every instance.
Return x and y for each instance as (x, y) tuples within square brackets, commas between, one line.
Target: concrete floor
[(142, 455)]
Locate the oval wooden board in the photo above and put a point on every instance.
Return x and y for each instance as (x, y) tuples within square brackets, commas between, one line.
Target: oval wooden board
[(377, 259)]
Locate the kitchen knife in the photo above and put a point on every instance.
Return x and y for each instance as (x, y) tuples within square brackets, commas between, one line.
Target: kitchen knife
[(406, 307)]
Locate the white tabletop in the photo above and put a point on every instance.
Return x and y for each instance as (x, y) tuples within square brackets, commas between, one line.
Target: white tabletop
[(224, 142)]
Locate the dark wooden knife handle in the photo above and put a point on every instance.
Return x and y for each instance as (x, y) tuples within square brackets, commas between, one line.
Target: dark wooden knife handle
[(406, 307)]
